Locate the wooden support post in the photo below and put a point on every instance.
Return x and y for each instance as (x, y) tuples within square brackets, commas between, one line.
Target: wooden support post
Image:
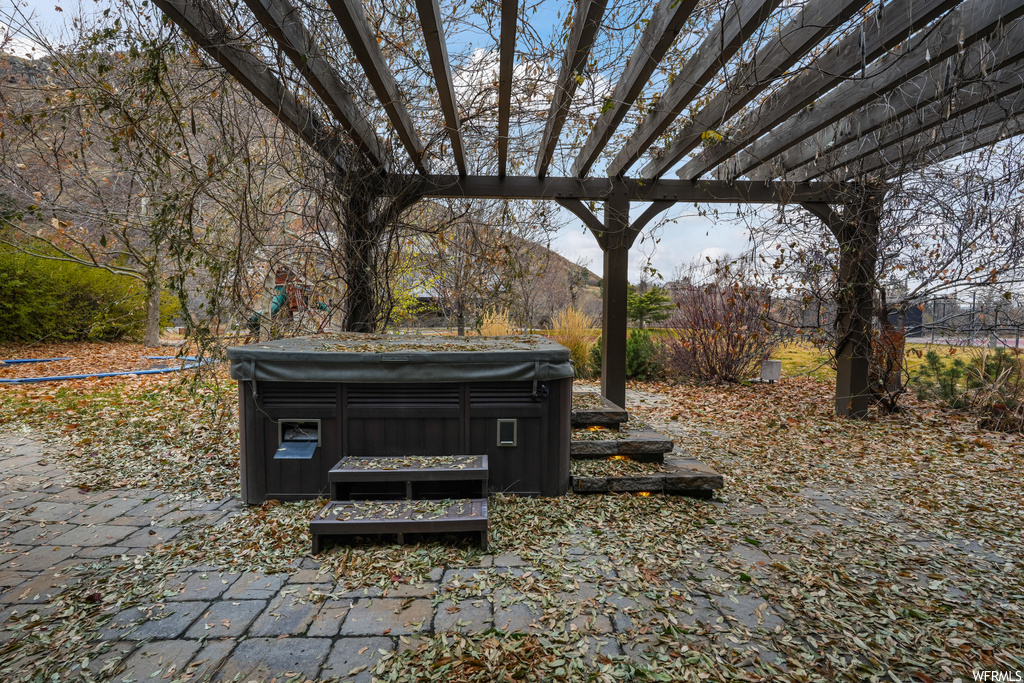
[(857, 232), (616, 283)]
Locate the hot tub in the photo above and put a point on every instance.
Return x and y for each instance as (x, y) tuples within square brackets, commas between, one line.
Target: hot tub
[(306, 403)]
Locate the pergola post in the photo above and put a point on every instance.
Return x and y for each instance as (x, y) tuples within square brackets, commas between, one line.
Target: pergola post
[(858, 249), (856, 230), (616, 285)]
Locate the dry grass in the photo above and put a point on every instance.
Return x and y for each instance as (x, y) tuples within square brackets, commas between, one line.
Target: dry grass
[(496, 324), (573, 329)]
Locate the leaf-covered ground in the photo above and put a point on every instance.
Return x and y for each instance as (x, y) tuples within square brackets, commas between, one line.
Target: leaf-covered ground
[(884, 549)]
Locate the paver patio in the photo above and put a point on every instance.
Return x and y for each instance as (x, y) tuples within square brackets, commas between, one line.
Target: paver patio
[(208, 623)]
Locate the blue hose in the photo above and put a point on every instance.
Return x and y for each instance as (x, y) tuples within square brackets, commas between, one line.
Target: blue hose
[(60, 378), (15, 361)]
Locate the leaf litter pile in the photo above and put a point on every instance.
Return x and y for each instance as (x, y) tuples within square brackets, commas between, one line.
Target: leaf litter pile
[(82, 359), (885, 549)]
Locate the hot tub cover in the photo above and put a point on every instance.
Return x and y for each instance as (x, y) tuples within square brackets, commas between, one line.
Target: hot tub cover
[(353, 357)]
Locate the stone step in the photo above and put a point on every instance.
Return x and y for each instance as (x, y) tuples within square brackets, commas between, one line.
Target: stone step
[(590, 409), (370, 517), (642, 445), (682, 476)]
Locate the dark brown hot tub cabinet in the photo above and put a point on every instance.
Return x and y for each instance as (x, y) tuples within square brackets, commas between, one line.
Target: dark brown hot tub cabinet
[(306, 403)]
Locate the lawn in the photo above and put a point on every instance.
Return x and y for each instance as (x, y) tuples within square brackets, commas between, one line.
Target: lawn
[(883, 549)]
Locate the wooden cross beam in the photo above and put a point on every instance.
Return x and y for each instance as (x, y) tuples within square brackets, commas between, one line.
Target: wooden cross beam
[(352, 19), (801, 35), (284, 24), (884, 31), (506, 63), (584, 30), (666, 22), (973, 21), (430, 19), (950, 142), (971, 114), (204, 24), (949, 88), (599, 189), (741, 20)]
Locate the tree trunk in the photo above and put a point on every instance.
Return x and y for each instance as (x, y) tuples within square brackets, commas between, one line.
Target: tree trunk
[(152, 337)]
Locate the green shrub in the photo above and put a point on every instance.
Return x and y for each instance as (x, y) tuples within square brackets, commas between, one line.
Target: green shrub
[(43, 299), (643, 356), (989, 384)]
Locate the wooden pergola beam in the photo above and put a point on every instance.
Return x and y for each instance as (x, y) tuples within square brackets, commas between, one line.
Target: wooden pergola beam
[(506, 64), (971, 113), (950, 142), (948, 89), (430, 20), (204, 24), (585, 26), (885, 31), (284, 24), (741, 20), (667, 20), (599, 189), (801, 35), (352, 19), (973, 21)]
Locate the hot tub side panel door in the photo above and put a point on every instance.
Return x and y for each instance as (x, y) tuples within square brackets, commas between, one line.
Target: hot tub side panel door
[(529, 466), (297, 407)]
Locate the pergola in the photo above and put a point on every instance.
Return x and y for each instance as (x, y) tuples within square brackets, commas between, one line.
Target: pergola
[(931, 78)]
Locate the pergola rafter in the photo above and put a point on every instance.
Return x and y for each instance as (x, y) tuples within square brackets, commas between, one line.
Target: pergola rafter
[(889, 27), (950, 88), (914, 82), (204, 24), (666, 22), (977, 20), (584, 30), (284, 24), (969, 113), (795, 40), (430, 20), (506, 64), (741, 20), (950, 141), (361, 37)]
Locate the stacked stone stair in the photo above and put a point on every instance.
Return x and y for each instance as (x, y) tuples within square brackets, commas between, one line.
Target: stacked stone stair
[(404, 494), (603, 430)]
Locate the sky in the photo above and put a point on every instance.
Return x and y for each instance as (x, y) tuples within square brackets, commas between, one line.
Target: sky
[(684, 239)]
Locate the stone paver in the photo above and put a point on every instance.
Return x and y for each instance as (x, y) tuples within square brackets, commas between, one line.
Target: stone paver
[(354, 658), (151, 535), (387, 616), (101, 513), (464, 616), (45, 511), (285, 615), (255, 586), (516, 617), (40, 589), (198, 585), (39, 558), (158, 660), (327, 622), (94, 535), (209, 658), (265, 658), (155, 621), (226, 618)]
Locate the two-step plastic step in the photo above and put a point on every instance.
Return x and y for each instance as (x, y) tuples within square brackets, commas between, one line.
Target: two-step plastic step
[(405, 494)]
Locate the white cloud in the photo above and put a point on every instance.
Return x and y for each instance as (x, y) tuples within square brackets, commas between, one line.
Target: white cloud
[(19, 46)]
